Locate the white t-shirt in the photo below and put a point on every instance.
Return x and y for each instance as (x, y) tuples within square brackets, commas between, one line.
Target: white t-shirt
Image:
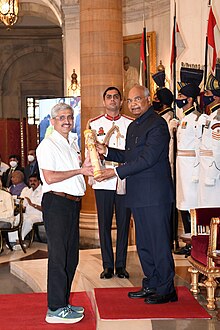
[(54, 153)]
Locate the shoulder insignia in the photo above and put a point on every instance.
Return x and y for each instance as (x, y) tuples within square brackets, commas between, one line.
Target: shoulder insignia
[(93, 119)]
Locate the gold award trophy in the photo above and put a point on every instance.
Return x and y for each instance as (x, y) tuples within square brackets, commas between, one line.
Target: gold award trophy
[(90, 141)]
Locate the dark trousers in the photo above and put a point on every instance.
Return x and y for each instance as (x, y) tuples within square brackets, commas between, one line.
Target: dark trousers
[(106, 202), (61, 219), (185, 215), (153, 245)]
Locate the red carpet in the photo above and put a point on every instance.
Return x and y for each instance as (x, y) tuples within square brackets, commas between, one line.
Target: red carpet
[(28, 311), (113, 303)]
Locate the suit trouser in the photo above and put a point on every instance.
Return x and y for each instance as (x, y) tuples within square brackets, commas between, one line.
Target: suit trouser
[(107, 201), (61, 219), (153, 245), (185, 215)]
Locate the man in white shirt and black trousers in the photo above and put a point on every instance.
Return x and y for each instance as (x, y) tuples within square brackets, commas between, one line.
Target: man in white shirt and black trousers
[(59, 161)]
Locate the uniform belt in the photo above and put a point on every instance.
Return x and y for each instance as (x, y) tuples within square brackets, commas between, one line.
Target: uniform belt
[(68, 196), (186, 153), (203, 152), (113, 164)]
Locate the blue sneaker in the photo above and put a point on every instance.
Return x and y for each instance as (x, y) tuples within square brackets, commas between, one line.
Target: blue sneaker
[(77, 309), (63, 315)]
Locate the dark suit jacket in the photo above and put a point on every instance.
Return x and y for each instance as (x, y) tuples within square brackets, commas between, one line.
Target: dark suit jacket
[(146, 163), (28, 172), (6, 173)]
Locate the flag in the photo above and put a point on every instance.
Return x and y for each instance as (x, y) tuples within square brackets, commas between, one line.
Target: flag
[(178, 43), (213, 35), (143, 60)]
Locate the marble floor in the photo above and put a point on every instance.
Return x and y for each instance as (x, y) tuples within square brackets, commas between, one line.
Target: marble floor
[(22, 273)]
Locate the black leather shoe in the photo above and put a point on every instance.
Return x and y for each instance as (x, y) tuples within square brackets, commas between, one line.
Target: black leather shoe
[(161, 298), (186, 250), (121, 272), (143, 293), (107, 273)]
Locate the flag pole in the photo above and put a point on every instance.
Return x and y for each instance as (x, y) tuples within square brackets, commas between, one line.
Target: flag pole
[(206, 51), (174, 62), (145, 57), (174, 209), (146, 82)]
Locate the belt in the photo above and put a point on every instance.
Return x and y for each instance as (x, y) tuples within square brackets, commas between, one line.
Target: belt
[(186, 153), (204, 152), (68, 196)]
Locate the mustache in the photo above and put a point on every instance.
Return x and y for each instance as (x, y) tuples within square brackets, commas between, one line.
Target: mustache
[(66, 124)]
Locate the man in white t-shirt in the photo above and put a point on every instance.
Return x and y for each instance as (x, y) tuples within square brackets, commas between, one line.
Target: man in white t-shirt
[(59, 161)]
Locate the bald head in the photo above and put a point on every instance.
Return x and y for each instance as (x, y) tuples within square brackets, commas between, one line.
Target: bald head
[(138, 100), (17, 177)]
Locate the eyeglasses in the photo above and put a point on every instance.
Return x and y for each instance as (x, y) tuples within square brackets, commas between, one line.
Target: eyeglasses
[(62, 117), (114, 96), (136, 99)]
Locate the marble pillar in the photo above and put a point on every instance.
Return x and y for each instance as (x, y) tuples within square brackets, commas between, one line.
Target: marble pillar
[(101, 55)]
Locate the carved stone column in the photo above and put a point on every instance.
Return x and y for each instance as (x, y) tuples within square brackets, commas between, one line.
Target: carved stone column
[(101, 53)]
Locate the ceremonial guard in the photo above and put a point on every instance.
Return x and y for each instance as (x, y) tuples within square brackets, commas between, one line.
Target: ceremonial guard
[(187, 162), (110, 129), (209, 177), (163, 97), (162, 102)]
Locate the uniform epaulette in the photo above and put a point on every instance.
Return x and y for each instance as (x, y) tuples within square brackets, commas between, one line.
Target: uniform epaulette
[(93, 119), (131, 118)]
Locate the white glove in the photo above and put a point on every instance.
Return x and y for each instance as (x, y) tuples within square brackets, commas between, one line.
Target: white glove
[(202, 119), (174, 123)]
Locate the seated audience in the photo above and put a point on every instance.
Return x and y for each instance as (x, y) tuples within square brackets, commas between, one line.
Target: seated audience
[(32, 209), (17, 179), (6, 208), (14, 162), (32, 166)]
